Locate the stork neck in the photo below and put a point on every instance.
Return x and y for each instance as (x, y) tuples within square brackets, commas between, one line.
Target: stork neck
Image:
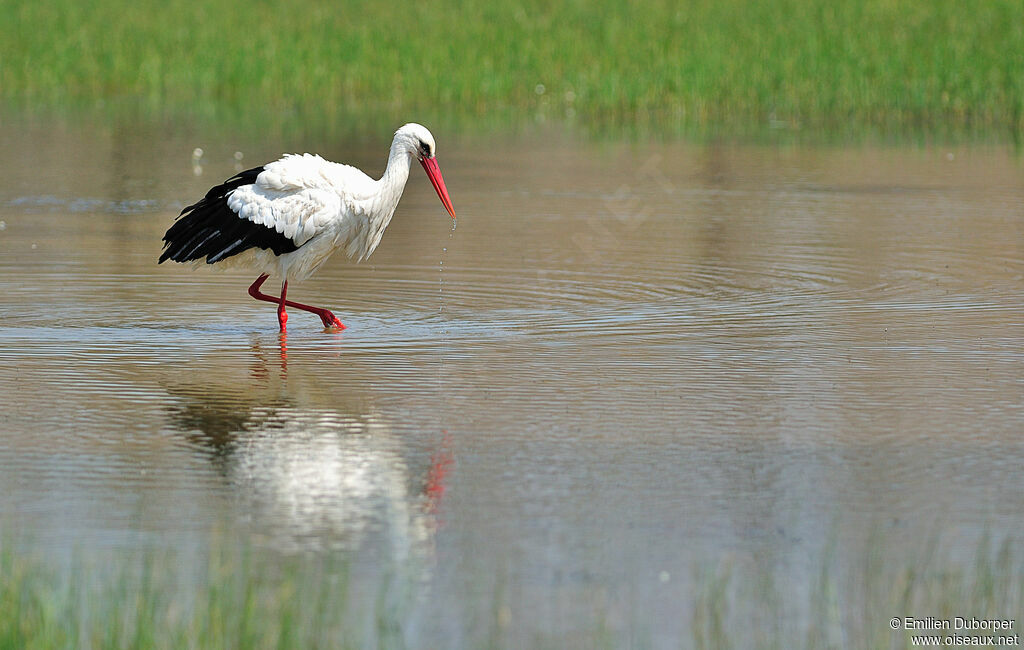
[(397, 172)]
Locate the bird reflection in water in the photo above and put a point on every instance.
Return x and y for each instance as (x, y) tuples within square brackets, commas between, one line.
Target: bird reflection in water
[(313, 467), (262, 366), (441, 462)]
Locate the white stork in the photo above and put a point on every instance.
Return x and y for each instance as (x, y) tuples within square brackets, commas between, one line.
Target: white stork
[(287, 217)]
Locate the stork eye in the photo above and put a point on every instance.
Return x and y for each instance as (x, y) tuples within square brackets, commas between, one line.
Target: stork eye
[(425, 148)]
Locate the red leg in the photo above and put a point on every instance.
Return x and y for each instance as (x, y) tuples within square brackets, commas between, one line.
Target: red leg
[(329, 319), (282, 315)]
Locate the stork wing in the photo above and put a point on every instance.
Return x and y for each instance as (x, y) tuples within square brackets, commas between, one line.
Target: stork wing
[(254, 209), (296, 214)]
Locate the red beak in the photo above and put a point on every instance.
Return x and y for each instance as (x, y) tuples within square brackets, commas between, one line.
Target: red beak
[(434, 173)]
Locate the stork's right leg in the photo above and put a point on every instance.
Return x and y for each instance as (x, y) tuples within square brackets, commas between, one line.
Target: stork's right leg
[(282, 315)]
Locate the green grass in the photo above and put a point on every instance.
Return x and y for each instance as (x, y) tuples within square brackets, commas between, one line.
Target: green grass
[(852, 606), (888, 66), (241, 600), (249, 597)]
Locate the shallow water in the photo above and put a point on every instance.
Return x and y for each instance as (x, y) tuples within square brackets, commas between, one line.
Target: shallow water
[(628, 361)]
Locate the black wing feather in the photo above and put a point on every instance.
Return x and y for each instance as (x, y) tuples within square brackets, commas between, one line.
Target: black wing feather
[(210, 229)]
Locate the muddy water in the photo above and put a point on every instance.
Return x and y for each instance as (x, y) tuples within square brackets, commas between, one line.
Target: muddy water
[(628, 361)]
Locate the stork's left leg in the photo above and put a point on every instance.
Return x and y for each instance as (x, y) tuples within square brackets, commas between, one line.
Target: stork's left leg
[(329, 319)]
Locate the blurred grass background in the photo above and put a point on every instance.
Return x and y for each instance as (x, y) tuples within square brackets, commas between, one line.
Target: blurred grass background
[(245, 596), (733, 66)]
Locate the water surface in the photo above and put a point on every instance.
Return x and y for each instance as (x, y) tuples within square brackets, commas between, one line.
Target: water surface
[(628, 361)]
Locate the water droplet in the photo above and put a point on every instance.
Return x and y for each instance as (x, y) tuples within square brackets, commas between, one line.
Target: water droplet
[(238, 155), (539, 89), (3, 225), (34, 246)]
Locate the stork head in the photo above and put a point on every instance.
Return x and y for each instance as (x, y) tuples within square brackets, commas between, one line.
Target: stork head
[(417, 141)]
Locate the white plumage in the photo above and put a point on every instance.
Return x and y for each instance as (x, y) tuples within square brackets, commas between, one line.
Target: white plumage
[(287, 217)]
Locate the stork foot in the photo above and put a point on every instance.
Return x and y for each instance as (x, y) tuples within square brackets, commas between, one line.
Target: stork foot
[(331, 321)]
